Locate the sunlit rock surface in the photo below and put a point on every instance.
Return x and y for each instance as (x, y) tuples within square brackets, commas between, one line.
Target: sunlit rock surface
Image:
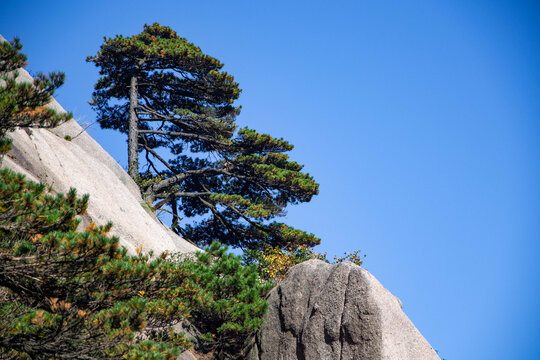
[(45, 155)]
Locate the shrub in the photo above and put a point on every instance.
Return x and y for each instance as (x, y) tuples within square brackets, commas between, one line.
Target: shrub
[(77, 294), (231, 300), (273, 262)]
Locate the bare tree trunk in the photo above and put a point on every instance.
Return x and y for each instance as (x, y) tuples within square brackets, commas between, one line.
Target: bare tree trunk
[(175, 226), (133, 134)]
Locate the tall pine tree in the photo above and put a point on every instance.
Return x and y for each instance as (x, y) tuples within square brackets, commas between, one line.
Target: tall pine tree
[(177, 107)]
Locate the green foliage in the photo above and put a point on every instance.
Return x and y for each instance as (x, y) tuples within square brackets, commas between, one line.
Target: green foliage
[(273, 263), (23, 104), (221, 183), (71, 294), (231, 303), (355, 257), (68, 293)]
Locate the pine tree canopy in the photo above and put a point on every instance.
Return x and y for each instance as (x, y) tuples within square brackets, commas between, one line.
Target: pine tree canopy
[(176, 105)]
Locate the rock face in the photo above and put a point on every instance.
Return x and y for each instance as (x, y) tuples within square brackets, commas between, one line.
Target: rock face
[(340, 311), (45, 155)]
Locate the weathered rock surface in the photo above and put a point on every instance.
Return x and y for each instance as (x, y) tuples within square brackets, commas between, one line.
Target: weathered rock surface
[(324, 311), (186, 355), (44, 155)]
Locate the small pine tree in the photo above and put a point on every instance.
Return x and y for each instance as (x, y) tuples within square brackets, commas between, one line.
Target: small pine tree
[(232, 305), (24, 104), (70, 294)]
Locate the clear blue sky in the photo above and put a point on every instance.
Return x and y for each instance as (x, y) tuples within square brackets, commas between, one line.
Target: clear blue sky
[(420, 120)]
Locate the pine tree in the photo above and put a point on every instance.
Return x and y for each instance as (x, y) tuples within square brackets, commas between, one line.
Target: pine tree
[(23, 104), (233, 305), (66, 294), (175, 103)]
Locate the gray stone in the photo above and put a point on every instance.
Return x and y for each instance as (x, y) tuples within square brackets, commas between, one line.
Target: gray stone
[(324, 311), (186, 355)]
